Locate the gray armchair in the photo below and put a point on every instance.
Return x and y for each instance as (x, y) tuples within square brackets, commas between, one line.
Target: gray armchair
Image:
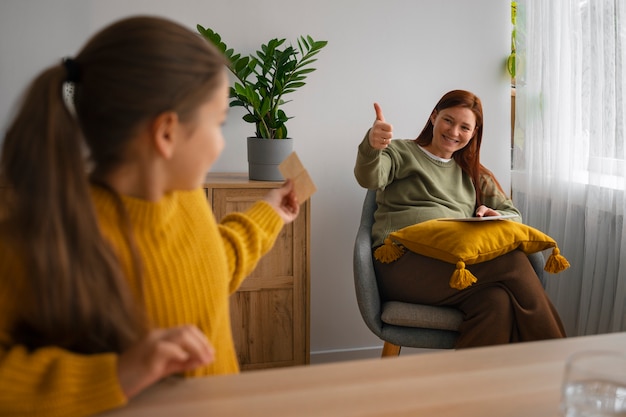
[(397, 323)]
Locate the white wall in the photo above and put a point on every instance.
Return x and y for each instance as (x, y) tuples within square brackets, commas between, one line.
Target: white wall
[(402, 53)]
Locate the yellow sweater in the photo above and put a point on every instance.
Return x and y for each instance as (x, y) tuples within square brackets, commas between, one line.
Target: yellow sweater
[(191, 266)]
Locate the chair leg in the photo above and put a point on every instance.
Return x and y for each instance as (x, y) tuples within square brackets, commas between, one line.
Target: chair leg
[(389, 349)]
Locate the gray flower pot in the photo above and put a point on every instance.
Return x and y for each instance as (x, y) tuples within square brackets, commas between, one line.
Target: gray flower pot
[(264, 156)]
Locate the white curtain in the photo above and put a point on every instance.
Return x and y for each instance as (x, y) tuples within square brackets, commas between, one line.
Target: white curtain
[(569, 177)]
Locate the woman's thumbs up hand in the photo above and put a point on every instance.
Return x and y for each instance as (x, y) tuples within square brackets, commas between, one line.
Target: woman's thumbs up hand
[(381, 132)]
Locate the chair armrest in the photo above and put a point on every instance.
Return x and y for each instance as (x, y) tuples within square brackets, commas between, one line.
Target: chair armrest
[(366, 287)]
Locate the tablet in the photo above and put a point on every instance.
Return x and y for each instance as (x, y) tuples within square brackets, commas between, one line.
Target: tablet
[(482, 219)]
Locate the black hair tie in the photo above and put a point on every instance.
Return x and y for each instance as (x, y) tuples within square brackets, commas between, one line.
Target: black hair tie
[(73, 72)]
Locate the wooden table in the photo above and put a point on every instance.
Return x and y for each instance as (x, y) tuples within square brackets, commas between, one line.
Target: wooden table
[(513, 380)]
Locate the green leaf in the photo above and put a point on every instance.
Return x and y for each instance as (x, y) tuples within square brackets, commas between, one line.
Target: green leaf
[(240, 64), (281, 132), (295, 85), (250, 118), (307, 62), (253, 96), (319, 44), (281, 116), (240, 89), (304, 71), (266, 104)]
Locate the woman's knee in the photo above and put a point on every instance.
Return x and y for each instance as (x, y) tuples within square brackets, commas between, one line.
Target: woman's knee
[(491, 301)]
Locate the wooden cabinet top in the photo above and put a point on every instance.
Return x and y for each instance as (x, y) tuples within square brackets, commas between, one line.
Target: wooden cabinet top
[(235, 180)]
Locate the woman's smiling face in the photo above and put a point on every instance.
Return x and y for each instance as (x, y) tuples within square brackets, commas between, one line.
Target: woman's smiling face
[(453, 128)]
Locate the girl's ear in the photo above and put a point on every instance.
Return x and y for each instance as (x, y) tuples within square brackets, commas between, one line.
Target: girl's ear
[(163, 133)]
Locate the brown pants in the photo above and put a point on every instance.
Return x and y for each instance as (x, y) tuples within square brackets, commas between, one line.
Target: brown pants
[(507, 304)]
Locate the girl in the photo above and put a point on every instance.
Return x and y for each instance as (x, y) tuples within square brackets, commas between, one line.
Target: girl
[(114, 273)]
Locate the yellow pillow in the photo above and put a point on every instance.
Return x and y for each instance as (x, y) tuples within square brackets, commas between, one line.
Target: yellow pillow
[(469, 243)]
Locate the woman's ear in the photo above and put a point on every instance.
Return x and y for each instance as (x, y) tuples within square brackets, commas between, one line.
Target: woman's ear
[(164, 130)]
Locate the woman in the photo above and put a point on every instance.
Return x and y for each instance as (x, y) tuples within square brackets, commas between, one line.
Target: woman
[(437, 175), (115, 274)]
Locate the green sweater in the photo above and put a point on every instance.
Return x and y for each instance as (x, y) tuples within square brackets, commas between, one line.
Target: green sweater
[(413, 187)]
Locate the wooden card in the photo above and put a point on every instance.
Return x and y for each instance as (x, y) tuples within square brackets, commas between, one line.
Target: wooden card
[(291, 168)]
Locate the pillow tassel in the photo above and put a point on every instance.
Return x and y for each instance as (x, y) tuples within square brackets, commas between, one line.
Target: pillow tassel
[(388, 252), (556, 262), (461, 278)]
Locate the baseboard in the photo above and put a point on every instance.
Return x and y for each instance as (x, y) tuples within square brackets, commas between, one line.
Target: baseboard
[(340, 355)]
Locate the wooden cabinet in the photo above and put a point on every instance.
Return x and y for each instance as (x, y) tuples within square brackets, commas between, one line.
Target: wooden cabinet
[(270, 311)]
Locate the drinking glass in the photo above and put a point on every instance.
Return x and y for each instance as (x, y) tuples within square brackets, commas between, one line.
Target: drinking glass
[(594, 385)]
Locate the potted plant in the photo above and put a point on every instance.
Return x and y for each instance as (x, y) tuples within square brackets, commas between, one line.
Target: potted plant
[(262, 81), (510, 62)]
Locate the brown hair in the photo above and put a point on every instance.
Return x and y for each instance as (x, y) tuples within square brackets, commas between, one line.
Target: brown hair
[(126, 75), (467, 158)]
